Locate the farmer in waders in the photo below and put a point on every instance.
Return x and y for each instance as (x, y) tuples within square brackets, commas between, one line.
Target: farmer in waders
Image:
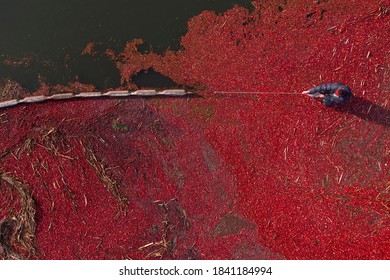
[(331, 93)]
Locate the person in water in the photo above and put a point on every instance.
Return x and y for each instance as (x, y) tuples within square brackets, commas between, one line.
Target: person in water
[(330, 93)]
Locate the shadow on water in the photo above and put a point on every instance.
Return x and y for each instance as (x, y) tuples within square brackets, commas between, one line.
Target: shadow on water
[(366, 110)]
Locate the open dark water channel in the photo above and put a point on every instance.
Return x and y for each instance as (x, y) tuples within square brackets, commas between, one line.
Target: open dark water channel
[(45, 38)]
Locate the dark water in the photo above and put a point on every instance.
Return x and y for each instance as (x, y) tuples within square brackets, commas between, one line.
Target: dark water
[(50, 35)]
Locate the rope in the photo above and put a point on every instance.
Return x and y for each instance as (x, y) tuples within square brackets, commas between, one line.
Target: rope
[(253, 92)]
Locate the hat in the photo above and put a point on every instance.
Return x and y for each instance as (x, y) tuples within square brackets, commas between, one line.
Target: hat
[(341, 92)]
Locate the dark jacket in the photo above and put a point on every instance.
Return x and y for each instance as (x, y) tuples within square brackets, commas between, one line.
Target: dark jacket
[(329, 91)]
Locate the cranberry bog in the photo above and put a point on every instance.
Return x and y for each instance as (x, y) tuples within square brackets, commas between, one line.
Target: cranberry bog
[(214, 176)]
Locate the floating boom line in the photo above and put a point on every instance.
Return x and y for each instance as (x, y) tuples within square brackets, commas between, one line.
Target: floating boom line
[(82, 95)]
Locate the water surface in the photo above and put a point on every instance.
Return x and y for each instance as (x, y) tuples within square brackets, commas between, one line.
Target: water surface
[(45, 39)]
